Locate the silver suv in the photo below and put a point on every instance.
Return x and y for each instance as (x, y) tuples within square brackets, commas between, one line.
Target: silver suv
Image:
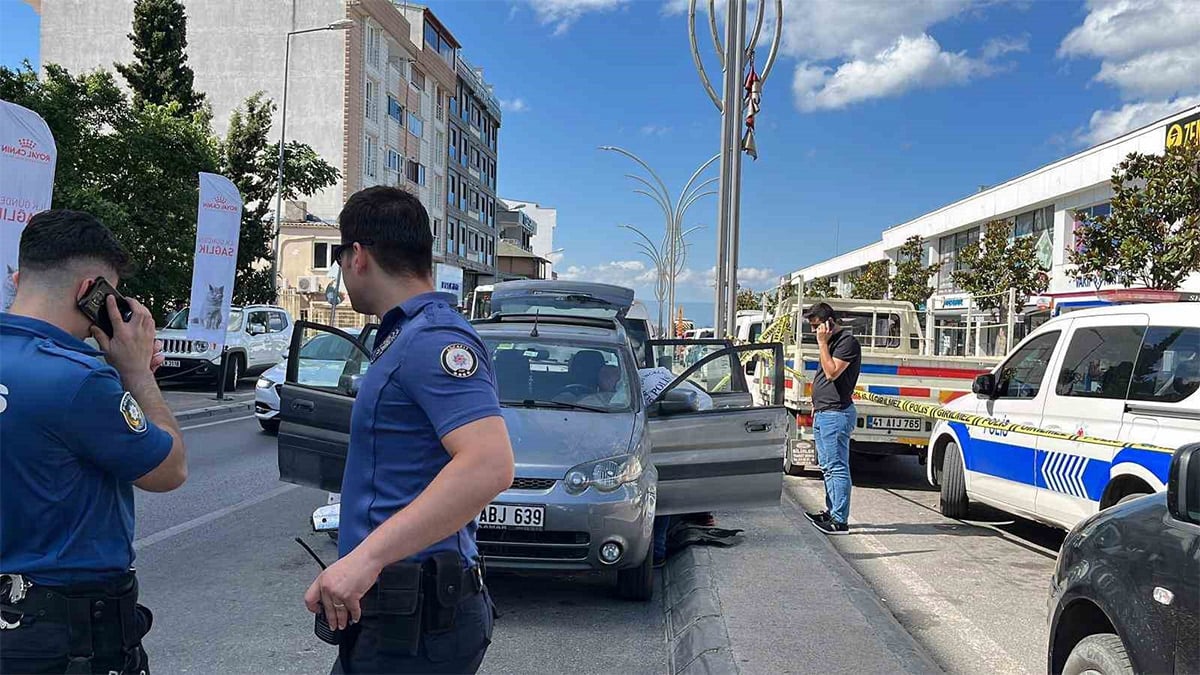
[(595, 462), (256, 339)]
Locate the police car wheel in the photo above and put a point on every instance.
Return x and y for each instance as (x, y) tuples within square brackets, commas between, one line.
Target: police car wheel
[(637, 583), (954, 502), (1103, 653)]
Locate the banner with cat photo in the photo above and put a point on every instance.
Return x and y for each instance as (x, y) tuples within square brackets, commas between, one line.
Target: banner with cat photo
[(218, 223), (27, 159)]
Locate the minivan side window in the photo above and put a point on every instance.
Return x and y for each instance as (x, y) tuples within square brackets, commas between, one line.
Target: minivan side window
[(1022, 374), (1168, 365), (1099, 362)]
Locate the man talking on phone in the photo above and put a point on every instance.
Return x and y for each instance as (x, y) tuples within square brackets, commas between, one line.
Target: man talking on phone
[(76, 435), (834, 415)]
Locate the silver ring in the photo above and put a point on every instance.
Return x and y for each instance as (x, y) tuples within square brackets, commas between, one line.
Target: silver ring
[(336, 606)]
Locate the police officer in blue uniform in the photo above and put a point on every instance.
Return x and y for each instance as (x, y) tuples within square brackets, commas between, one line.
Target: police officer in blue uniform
[(428, 450), (76, 435)]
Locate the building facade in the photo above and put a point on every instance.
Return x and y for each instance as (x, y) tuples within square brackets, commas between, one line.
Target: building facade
[(1044, 204), (541, 242), (516, 227)]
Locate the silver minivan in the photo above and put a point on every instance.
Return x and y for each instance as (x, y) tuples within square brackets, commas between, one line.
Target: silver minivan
[(594, 462)]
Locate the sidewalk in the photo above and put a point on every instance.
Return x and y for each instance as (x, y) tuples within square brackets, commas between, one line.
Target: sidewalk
[(792, 604), (190, 402)]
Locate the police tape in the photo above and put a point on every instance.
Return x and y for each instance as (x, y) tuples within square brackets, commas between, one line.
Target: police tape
[(937, 412)]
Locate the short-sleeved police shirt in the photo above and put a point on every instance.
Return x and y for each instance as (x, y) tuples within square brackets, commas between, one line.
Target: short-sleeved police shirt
[(838, 394), (431, 375), (72, 442)]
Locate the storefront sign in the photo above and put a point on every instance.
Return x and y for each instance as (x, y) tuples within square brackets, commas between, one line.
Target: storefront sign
[(1186, 130), (950, 302), (218, 223), (27, 159), (449, 279)]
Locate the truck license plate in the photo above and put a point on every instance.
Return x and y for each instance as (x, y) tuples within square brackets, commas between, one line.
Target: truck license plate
[(171, 363), (511, 516), (894, 423)]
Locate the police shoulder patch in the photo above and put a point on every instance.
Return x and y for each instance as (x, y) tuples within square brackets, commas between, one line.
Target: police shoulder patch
[(132, 412), (458, 360)]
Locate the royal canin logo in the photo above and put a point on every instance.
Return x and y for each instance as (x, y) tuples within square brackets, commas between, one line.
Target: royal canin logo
[(26, 149), (219, 203)]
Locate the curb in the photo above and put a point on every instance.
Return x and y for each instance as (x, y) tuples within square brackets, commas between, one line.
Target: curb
[(697, 638), (215, 410)]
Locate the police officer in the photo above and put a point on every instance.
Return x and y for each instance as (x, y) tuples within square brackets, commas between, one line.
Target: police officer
[(428, 450), (75, 436)]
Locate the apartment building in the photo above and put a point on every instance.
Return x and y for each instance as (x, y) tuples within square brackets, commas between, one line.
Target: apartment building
[(541, 241)]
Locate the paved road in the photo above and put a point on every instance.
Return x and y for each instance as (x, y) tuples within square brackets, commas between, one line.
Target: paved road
[(972, 592), (220, 570)]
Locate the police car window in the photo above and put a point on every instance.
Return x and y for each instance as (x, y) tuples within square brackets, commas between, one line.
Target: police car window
[(1168, 365), (1099, 362), (1022, 374), (546, 372)]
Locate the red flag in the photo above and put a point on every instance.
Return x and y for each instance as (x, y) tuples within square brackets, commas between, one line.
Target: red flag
[(752, 97)]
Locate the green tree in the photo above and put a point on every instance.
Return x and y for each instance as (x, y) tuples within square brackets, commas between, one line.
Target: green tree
[(911, 281), (250, 162), (997, 263), (748, 299), (872, 283), (820, 288), (1152, 235), (159, 73)]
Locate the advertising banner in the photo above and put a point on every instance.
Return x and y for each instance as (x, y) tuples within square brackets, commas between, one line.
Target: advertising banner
[(218, 223), (27, 159), (449, 279)]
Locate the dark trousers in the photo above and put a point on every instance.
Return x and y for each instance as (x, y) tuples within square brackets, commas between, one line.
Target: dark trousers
[(41, 644), (457, 650)]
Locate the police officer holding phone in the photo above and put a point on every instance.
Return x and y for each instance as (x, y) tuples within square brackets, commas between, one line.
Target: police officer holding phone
[(428, 451), (76, 435)]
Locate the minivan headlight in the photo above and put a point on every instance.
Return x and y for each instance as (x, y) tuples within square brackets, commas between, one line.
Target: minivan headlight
[(605, 475)]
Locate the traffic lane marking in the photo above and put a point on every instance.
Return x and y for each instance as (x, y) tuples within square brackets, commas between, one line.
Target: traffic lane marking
[(213, 424), (187, 526)]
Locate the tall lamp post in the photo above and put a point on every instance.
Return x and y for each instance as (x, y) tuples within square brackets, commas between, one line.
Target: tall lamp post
[(733, 57), (341, 24), (674, 252)]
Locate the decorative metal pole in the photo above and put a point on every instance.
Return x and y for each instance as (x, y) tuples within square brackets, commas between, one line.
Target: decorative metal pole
[(732, 56), (673, 250)]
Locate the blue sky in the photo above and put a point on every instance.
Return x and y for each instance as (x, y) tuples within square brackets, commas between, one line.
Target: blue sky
[(876, 111)]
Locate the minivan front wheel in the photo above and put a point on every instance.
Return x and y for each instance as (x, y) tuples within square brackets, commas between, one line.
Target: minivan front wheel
[(954, 503), (1102, 653), (637, 583)]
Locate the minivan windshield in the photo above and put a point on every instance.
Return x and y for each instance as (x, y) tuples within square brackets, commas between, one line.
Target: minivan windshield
[(180, 320), (553, 373)]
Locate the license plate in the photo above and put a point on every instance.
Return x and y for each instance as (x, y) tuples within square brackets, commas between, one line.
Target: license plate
[(171, 363), (511, 516), (894, 423)]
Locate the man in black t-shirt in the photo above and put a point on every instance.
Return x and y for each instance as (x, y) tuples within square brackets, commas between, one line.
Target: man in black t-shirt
[(834, 415)]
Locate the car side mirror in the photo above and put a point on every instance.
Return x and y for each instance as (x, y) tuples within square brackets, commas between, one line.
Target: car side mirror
[(1183, 484), (257, 329), (985, 385), (677, 402)]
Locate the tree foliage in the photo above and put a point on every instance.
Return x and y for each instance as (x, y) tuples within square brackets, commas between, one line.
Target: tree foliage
[(1152, 235), (747, 298), (996, 263), (911, 281), (159, 73), (820, 288), (872, 283)]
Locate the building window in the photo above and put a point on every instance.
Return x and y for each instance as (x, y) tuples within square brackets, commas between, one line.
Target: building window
[(949, 248), (372, 45), (370, 157), (415, 172), (1080, 215), (436, 42), (452, 190), (372, 112), (453, 148), (440, 149), (395, 110), (441, 107), (417, 80), (393, 160), (1038, 224), (321, 251), (415, 126)]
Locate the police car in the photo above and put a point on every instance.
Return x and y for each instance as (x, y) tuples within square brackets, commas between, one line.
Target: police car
[(1127, 373)]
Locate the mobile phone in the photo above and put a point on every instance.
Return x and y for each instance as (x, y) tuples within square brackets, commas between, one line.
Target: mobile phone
[(94, 305)]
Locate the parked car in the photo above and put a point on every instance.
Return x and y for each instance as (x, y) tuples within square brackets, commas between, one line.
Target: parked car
[(594, 464), (322, 352), (255, 340), (1129, 373), (575, 298), (1125, 597)]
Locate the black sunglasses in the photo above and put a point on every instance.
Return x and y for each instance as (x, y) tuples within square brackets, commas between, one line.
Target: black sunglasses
[(339, 249)]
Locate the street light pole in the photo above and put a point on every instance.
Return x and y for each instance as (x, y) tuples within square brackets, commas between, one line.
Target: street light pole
[(343, 24)]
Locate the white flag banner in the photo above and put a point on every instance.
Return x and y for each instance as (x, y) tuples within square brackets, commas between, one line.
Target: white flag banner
[(27, 159), (218, 223)]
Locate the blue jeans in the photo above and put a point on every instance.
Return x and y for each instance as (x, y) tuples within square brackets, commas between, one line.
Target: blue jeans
[(831, 430)]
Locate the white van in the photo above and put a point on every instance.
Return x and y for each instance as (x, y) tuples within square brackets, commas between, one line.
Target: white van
[(1129, 373)]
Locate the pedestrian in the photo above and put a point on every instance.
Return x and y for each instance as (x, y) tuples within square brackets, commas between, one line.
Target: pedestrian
[(428, 451), (834, 415), (76, 434)]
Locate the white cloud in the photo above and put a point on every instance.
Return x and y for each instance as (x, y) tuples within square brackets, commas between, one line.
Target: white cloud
[(563, 13), (999, 46), (515, 105), (1147, 51), (910, 63), (655, 130)]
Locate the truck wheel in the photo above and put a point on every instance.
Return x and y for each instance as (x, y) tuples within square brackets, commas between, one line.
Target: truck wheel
[(234, 371), (1102, 653), (954, 503), (637, 583)]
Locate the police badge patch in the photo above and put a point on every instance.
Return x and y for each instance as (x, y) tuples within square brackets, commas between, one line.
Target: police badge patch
[(458, 360), (132, 412)]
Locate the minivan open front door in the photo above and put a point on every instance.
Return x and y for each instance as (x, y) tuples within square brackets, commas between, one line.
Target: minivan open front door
[(323, 370), (730, 456)]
